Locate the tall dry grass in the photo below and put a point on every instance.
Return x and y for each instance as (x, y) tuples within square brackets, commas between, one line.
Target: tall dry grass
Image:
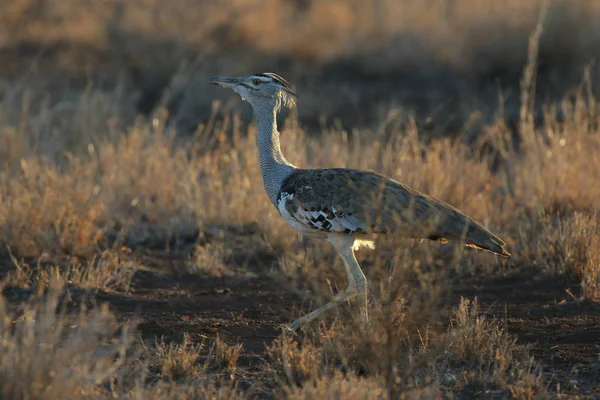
[(146, 181), (46, 354)]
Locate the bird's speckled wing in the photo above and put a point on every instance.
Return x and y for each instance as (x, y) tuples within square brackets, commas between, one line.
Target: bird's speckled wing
[(362, 202)]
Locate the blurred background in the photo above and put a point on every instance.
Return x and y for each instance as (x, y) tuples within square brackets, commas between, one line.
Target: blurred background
[(452, 65)]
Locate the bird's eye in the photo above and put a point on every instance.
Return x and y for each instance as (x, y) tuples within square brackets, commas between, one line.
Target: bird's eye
[(256, 82)]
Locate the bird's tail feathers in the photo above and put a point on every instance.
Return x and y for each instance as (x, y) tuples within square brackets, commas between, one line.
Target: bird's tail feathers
[(478, 237)]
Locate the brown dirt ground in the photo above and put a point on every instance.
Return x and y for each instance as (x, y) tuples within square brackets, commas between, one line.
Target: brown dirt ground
[(562, 333)]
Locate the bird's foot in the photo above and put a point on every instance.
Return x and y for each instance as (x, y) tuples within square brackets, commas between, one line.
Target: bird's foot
[(287, 330), (364, 316), (298, 323)]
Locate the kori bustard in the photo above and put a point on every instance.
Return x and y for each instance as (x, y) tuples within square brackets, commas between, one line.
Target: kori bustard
[(345, 206)]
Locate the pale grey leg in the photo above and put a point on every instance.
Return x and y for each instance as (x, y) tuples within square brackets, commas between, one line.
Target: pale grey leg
[(357, 283)]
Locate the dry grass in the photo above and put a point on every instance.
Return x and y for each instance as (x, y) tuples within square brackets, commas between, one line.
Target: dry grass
[(90, 195), (188, 391), (225, 355), (144, 182), (403, 356), (47, 355), (447, 59), (339, 386), (569, 245), (180, 361), (109, 270), (137, 178)]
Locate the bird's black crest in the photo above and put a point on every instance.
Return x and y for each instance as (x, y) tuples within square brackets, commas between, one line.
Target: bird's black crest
[(279, 80)]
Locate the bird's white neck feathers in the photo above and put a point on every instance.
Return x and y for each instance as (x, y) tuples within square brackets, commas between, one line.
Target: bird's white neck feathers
[(274, 167)]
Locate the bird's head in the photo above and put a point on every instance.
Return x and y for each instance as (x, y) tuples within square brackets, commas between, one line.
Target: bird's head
[(258, 89)]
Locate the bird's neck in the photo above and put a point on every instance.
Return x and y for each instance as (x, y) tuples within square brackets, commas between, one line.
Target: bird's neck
[(273, 165)]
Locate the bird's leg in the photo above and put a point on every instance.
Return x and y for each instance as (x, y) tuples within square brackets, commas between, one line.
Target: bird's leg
[(347, 294), (357, 283), (360, 280), (361, 285)]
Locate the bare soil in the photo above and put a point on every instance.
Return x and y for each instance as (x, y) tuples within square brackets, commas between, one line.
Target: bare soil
[(543, 313)]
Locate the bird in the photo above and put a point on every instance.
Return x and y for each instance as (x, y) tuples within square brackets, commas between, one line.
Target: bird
[(348, 207)]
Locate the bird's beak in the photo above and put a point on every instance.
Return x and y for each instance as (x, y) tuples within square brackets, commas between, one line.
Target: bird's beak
[(225, 82)]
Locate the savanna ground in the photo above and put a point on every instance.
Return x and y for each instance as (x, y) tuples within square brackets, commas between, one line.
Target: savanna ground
[(140, 257)]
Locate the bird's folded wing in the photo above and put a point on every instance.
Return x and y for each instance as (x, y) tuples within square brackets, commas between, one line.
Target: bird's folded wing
[(353, 201), (362, 202)]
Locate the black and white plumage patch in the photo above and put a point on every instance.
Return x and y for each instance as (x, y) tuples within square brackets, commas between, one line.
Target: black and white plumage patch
[(325, 219)]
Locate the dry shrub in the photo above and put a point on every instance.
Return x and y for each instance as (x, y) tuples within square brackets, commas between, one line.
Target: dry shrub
[(294, 362), (47, 355), (147, 179), (560, 163), (188, 361), (209, 260), (138, 178), (184, 391), (42, 209), (474, 337), (110, 270), (570, 245), (339, 386), (179, 362), (144, 176), (478, 352), (226, 356)]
